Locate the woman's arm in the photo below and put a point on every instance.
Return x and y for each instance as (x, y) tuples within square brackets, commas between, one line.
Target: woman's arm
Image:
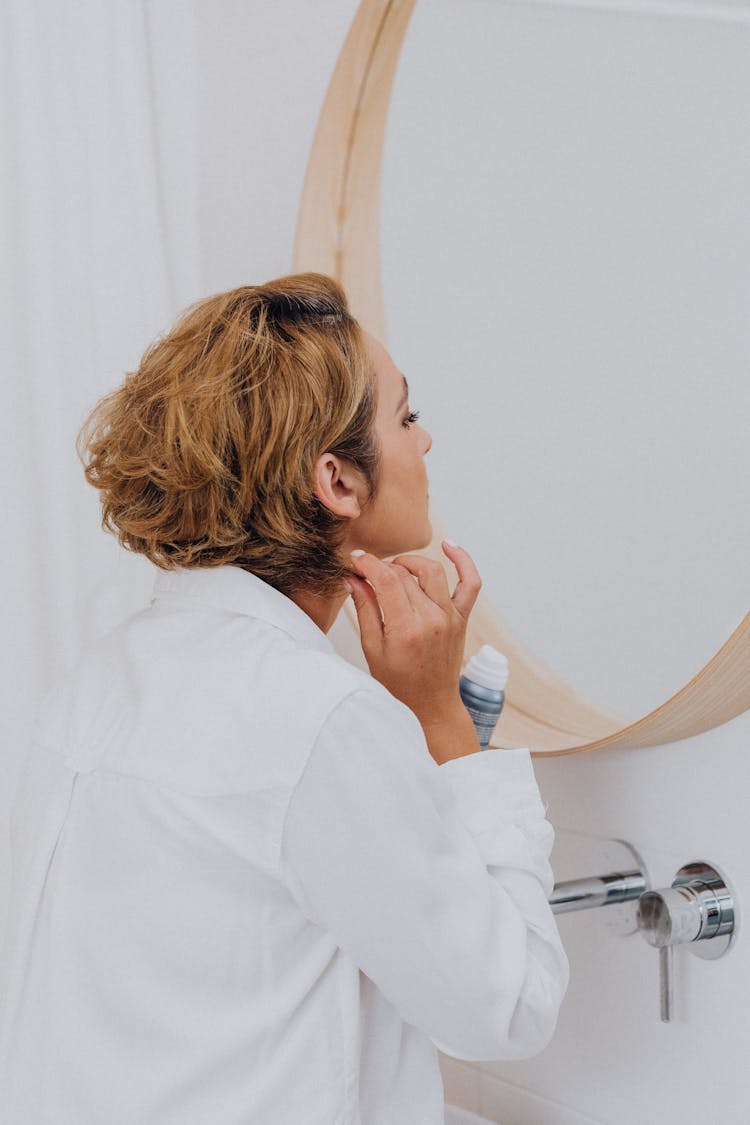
[(433, 880), (452, 735)]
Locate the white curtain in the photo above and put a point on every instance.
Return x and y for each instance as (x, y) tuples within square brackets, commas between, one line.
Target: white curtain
[(99, 252)]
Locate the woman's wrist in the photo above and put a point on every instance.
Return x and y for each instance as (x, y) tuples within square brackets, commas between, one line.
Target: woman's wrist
[(450, 734)]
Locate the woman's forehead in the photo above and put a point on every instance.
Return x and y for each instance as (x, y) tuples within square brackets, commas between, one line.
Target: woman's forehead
[(385, 368)]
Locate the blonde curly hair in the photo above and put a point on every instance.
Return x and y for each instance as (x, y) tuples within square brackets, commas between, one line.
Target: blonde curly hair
[(204, 456)]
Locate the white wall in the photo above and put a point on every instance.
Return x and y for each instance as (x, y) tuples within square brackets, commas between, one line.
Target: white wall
[(264, 70), (612, 1058), (97, 241)]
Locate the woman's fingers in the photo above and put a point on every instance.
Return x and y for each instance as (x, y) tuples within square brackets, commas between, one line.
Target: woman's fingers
[(416, 650), (368, 612), (469, 581), (433, 581), (430, 575), (397, 593), (388, 592)]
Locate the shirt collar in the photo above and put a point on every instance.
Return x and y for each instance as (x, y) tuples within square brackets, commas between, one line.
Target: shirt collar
[(240, 591)]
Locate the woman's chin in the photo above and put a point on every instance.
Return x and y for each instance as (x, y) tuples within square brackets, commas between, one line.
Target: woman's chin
[(414, 543), (426, 539)]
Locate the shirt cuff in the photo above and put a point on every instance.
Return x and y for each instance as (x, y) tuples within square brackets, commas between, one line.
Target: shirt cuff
[(494, 787)]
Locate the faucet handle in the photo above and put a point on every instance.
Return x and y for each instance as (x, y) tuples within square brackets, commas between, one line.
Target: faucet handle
[(671, 916), (698, 907), (667, 918)]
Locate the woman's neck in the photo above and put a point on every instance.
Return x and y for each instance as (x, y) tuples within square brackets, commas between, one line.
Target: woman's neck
[(322, 610)]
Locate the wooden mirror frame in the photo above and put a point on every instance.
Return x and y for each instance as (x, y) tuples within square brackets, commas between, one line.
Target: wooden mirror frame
[(338, 233)]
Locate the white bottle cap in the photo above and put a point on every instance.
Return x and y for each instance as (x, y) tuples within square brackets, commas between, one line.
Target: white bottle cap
[(488, 668)]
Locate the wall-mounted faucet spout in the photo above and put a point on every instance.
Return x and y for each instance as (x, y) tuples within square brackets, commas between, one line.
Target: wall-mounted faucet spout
[(599, 890)]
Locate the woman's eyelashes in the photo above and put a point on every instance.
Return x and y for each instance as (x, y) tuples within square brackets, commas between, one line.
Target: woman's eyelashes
[(410, 418)]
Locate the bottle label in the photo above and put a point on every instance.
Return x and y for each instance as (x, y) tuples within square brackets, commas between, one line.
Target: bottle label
[(484, 724)]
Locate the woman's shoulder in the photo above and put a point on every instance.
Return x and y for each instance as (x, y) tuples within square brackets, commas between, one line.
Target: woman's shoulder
[(232, 705)]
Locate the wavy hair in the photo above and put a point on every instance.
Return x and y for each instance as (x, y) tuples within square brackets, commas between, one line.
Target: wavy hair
[(204, 456)]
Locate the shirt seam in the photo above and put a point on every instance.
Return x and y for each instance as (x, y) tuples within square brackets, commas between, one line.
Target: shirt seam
[(293, 789), (57, 749)]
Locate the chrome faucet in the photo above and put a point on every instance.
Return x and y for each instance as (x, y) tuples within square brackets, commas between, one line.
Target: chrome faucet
[(699, 907)]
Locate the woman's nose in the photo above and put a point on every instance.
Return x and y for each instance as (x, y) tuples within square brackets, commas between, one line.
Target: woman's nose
[(427, 441)]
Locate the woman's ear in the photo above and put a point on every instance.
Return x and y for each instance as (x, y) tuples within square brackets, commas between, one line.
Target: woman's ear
[(338, 485)]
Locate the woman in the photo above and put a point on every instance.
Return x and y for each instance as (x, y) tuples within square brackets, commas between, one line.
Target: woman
[(252, 883)]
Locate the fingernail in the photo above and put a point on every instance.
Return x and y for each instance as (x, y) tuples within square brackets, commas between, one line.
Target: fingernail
[(348, 586), (355, 554), (450, 543)]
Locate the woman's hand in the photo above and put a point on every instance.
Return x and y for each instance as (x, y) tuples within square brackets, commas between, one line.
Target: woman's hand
[(416, 649)]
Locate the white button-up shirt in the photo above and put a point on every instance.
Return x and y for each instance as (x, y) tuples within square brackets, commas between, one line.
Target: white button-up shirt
[(245, 894)]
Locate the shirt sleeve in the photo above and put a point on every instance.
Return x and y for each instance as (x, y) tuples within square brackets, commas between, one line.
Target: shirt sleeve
[(433, 879)]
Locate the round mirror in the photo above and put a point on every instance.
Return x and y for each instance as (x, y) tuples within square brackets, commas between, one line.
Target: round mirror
[(565, 246)]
